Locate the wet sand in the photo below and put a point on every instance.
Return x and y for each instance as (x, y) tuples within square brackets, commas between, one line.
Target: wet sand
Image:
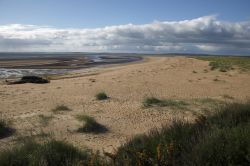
[(65, 62)]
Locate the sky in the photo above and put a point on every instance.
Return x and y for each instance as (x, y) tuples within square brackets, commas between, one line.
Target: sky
[(143, 26)]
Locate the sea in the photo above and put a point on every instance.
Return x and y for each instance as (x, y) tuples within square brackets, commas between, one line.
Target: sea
[(94, 60)]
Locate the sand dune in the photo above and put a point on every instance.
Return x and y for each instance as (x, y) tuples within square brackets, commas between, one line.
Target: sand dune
[(122, 113)]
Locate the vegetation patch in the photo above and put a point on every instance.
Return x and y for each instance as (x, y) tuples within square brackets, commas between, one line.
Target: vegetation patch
[(45, 119), (221, 139), (227, 97), (101, 96), (209, 101), (225, 64), (51, 153), (90, 125), (61, 108), (152, 101), (5, 129)]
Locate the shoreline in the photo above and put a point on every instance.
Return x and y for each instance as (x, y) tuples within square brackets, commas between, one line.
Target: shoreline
[(59, 65)]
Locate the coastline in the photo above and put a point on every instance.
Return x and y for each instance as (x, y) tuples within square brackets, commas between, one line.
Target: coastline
[(123, 114), (44, 66)]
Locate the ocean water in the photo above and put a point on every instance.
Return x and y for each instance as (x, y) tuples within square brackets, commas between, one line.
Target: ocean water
[(94, 61)]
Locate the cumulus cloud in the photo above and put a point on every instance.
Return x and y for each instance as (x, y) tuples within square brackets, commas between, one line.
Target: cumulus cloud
[(201, 35)]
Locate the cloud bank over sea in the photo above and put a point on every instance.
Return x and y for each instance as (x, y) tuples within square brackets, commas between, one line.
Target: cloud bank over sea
[(200, 35)]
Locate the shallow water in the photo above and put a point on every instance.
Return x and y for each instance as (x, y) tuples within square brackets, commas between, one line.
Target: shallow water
[(13, 73), (94, 60)]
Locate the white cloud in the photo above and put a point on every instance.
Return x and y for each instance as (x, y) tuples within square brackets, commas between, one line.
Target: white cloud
[(201, 35)]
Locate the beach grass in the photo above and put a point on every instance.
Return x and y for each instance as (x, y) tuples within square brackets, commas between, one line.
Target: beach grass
[(101, 96), (61, 108), (90, 125), (228, 63), (50, 153), (221, 139), (152, 101)]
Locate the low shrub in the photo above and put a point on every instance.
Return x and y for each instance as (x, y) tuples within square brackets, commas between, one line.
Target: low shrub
[(101, 96)]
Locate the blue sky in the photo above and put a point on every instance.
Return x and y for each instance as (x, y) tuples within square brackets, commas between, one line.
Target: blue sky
[(99, 13), (142, 26)]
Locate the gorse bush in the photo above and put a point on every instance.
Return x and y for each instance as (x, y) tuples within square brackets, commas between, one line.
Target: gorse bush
[(101, 96), (90, 125), (222, 139)]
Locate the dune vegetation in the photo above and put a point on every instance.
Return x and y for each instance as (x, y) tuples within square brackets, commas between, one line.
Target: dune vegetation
[(61, 108), (101, 96), (225, 64), (221, 139), (90, 125), (152, 101), (218, 139)]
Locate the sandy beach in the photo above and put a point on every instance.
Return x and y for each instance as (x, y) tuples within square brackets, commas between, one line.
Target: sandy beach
[(179, 78)]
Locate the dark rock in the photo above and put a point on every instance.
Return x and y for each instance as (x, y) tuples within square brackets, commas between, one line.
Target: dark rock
[(30, 79)]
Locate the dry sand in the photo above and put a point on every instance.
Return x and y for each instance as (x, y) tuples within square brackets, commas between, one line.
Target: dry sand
[(123, 114)]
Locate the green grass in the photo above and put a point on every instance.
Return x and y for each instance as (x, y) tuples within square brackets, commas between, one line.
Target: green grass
[(221, 139), (152, 101), (225, 64), (51, 153), (90, 125), (101, 96), (5, 129), (61, 108)]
